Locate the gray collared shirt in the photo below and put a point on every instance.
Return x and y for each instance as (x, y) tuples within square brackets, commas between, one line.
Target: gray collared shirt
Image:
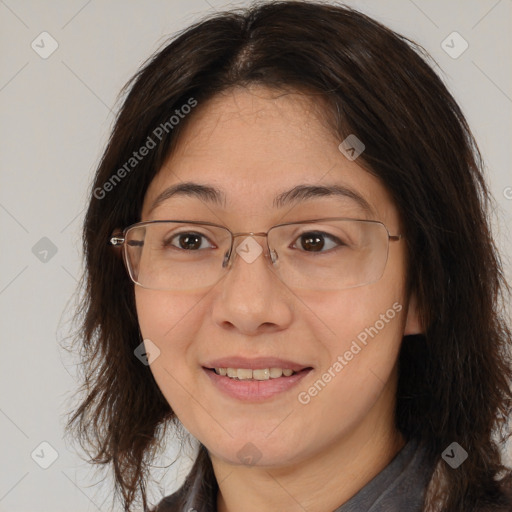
[(399, 486)]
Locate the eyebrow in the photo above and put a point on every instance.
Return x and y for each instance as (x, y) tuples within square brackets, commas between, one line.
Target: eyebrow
[(213, 195)]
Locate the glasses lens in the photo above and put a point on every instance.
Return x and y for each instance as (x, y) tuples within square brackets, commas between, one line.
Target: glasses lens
[(176, 255), (319, 255), (330, 254)]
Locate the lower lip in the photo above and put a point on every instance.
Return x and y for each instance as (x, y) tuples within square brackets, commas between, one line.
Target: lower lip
[(255, 390)]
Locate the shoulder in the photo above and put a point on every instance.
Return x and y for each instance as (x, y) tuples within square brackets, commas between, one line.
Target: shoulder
[(171, 503)]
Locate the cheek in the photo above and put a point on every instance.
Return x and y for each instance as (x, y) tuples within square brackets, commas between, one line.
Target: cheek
[(157, 313), (364, 332), (359, 313), (349, 314), (172, 323), (169, 322), (162, 315), (151, 313)]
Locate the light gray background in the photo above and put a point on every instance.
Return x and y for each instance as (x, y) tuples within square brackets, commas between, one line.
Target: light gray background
[(56, 115)]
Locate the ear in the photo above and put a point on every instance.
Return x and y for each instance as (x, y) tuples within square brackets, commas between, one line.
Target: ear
[(413, 323)]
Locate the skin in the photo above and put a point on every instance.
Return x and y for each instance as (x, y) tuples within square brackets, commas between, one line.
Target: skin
[(254, 143)]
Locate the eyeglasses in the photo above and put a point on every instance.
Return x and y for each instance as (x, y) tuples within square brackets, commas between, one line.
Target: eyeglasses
[(321, 254)]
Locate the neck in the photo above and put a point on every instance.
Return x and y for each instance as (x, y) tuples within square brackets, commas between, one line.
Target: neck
[(323, 481)]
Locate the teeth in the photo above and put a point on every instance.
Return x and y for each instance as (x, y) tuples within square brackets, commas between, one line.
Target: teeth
[(243, 374), (275, 373), (259, 374)]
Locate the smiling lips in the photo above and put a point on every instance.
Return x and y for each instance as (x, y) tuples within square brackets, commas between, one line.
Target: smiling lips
[(254, 379), (262, 368)]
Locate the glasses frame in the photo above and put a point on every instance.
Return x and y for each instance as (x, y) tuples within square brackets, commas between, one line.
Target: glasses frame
[(118, 240)]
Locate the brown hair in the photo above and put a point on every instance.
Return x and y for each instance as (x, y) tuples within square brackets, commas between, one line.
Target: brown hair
[(454, 381)]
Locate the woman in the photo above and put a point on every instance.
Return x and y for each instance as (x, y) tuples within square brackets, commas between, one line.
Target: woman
[(288, 253)]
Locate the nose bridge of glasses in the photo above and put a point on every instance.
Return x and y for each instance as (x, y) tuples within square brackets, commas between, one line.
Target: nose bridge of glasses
[(229, 256), (250, 233)]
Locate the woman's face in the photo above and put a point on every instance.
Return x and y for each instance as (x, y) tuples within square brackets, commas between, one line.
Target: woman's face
[(252, 145)]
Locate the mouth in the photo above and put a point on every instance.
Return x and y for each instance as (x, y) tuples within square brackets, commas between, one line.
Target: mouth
[(259, 374), (254, 380)]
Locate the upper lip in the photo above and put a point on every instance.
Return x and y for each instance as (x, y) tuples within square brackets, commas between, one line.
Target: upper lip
[(255, 363)]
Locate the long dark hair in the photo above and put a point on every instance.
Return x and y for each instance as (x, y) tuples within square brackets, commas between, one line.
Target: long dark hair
[(454, 381)]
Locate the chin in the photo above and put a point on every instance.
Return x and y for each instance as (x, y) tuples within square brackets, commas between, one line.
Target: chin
[(255, 451)]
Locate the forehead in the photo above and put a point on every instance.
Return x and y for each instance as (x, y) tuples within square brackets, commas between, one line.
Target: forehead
[(255, 144)]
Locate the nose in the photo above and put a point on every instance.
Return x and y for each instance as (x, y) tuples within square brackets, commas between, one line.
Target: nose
[(251, 298)]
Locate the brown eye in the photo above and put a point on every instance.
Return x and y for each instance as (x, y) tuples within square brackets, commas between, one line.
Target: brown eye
[(186, 241), (315, 241), (312, 242)]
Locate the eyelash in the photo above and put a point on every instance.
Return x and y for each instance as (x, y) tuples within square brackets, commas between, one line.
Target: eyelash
[(168, 243)]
